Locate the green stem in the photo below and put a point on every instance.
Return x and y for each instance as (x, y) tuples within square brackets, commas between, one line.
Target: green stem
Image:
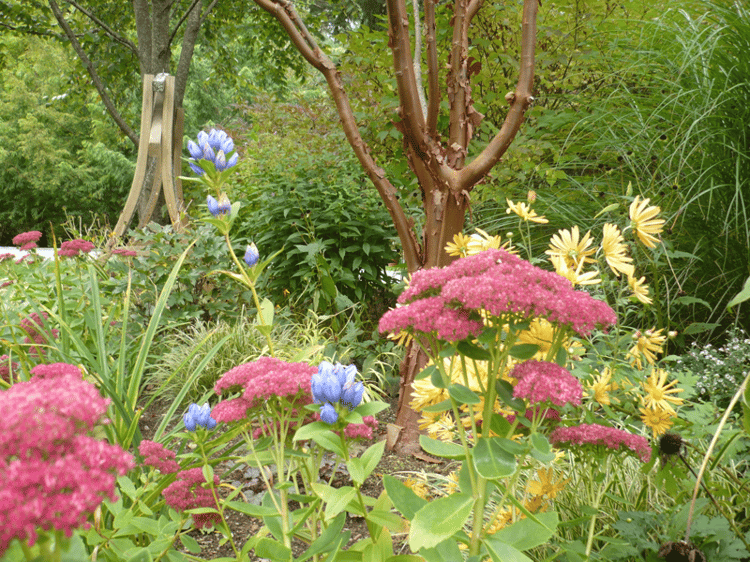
[(218, 503), (592, 523), (249, 283)]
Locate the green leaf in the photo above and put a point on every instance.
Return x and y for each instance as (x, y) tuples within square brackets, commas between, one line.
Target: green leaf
[(273, 550), (251, 509), (503, 552), (446, 551), (403, 498), (443, 406), (491, 460), (325, 542), (266, 307), (505, 393), (426, 372), (524, 351), (190, 544), (439, 520), (371, 408), (526, 534), (441, 448), (141, 555), (371, 457), (473, 351), (742, 296), (463, 394)]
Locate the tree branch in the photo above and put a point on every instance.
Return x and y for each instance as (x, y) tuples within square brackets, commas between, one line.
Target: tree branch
[(409, 106), (458, 86), (161, 53), (182, 19), (143, 29), (433, 84), (124, 127), (108, 30), (186, 53), (305, 43), (520, 100)]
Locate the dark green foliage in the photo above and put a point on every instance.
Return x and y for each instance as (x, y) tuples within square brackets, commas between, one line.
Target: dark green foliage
[(196, 294), (59, 152), (335, 231)]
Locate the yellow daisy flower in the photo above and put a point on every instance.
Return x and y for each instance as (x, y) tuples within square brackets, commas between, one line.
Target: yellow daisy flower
[(503, 517), (570, 247), (417, 487), (659, 420), (459, 247), (640, 290), (659, 394), (425, 394), (643, 222), (647, 345), (546, 485), (601, 387), (481, 241), (615, 251), (574, 275), (525, 212)]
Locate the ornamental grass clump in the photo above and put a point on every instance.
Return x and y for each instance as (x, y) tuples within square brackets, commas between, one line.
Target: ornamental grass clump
[(55, 473)]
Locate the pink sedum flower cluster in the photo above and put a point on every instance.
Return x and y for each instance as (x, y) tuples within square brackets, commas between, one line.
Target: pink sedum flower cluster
[(158, 456), (188, 492), (56, 370), (361, 430), (7, 368), (27, 240), (54, 473), (447, 301), (34, 326), (542, 381), (260, 380), (610, 437), (71, 248)]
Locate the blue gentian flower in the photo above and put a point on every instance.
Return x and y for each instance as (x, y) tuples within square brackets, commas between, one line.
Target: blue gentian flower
[(219, 208), (251, 255), (335, 384), (213, 146), (199, 416)]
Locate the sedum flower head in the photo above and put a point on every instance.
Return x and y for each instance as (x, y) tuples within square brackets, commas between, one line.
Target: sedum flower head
[(524, 211), (541, 381), (449, 301), (591, 434), (54, 473), (189, 491), (158, 456), (71, 248), (27, 240), (644, 223), (259, 381)]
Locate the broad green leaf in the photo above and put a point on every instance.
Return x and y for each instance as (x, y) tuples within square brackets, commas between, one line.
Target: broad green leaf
[(524, 351), (403, 498), (439, 520), (473, 351), (505, 393), (446, 551), (190, 544), (742, 296), (426, 372), (503, 552), (273, 550), (141, 555), (441, 448), (325, 541), (526, 534), (443, 406), (371, 457), (463, 394), (336, 499), (491, 460), (251, 509)]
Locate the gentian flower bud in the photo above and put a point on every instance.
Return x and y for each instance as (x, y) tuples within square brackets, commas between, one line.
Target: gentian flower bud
[(328, 413), (251, 255), (208, 153), (213, 206), (224, 205), (221, 161), (351, 395), (195, 150), (199, 416)]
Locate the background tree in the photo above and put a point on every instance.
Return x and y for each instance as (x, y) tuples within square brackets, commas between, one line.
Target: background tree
[(437, 155)]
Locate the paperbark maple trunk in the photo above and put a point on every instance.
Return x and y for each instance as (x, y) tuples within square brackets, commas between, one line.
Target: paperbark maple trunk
[(444, 179)]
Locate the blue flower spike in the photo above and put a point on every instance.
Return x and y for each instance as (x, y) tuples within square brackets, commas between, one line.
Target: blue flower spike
[(214, 146), (251, 255), (199, 416), (334, 384)]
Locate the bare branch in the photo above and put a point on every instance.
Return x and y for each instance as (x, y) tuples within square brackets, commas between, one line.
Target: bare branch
[(124, 127), (186, 53), (418, 55), (182, 19), (305, 43), (108, 30), (410, 109), (458, 86), (520, 100), (433, 87)]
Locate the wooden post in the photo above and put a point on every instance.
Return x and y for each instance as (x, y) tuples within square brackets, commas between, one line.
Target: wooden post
[(159, 150)]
